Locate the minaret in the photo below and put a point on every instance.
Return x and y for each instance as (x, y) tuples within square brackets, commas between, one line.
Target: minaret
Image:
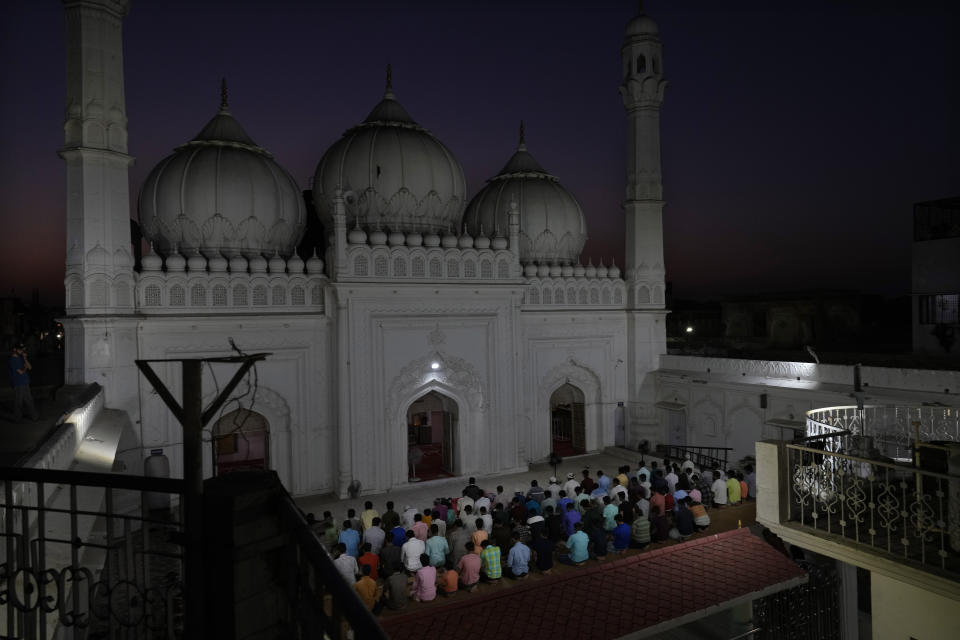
[(642, 89), (99, 263)]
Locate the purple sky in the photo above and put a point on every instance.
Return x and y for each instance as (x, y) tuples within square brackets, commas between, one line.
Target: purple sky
[(794, 140)]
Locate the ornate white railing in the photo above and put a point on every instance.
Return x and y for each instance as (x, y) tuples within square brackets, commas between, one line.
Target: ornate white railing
[(886, 430)]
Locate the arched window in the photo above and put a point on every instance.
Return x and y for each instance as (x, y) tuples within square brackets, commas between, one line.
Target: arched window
[(279, 295), (605, 296), (260, 296), (583, 296), (297, 296), (469, 269), (316, 295), (399, 267), (558, 296), (380, 266), (239, 296), (503, 269), (219, 295), (177, 296), (360, 266), (641, 64), (486, 270), (151, 296), (547, 296), (417, 268), (594, 296), (436, 270), (453, 268), (618, 296), (198, 296), (534, 296)]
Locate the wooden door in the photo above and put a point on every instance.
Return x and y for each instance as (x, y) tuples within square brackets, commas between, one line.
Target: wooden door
[(579, 435), (449, 428)]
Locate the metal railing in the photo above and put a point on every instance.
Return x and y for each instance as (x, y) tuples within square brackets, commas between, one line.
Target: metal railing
[(906, 512), (704, 457), (886, 430), (91, 554), (318, 601)]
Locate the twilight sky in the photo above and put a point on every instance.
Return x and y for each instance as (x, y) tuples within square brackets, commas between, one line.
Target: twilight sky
[(795, 139)]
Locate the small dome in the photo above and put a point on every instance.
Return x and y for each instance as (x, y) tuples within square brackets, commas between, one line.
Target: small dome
[(221, 193), (295, 264), (642, 25), (400, 175), (552, 225), (314, 264)]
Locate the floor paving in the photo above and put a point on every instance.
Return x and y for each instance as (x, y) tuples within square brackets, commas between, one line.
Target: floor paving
[(422, 494)]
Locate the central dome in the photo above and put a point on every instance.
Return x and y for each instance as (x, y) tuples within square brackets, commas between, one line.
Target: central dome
[(398, 176)]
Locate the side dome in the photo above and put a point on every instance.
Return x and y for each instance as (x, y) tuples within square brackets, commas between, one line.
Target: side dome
[(222, 194), (398, 176), (552, 226)]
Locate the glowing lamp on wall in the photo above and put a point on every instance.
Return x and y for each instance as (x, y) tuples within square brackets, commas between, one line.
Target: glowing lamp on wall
[(434, 365), (689, 329)]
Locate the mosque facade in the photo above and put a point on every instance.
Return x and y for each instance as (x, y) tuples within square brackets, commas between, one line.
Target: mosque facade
[(427, 323)]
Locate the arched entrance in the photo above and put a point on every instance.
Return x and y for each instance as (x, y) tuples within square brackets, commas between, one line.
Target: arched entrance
[(567, 421), (431, 431), (241, 442)]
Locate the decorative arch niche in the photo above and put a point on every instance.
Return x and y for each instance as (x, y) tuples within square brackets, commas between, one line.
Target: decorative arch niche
[(454, 378)]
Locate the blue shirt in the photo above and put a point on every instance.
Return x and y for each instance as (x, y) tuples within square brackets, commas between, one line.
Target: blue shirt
[(519, 559), (533, 504), (351, 538), (17, 379), (609, 516), (621, 536), (578, 545), (437, 549), (399, 535), (570, 518), (604, 482)]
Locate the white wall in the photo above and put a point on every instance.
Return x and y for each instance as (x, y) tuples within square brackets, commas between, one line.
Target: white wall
[(904, 612)]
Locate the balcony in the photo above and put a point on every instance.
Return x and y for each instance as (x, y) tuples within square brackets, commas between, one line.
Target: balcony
[(878, 487)]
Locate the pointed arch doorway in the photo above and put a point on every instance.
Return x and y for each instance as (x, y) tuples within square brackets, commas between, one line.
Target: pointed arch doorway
[(431, 437), (241, 442), (567, 421)]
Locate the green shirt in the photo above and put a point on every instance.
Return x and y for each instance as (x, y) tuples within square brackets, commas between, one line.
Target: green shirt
[(733, 490), (491, 562)]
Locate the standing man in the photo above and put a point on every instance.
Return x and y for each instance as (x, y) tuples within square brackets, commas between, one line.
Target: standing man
[(19, 365)]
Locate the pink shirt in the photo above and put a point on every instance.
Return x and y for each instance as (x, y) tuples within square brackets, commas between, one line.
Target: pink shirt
[(425, 584), (469, 568), (695, 495), (420, 530)]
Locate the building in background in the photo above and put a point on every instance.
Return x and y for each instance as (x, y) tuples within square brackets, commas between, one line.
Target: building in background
[(936, 278)]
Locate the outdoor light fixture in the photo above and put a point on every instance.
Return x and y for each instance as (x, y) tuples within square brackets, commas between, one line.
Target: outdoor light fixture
[(689, 329), (434, 365)]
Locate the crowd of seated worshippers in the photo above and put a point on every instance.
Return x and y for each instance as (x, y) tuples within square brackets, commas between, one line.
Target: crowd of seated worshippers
[(458, 542)]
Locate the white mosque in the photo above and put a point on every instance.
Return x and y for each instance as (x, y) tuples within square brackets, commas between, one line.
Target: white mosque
[(465, 335)]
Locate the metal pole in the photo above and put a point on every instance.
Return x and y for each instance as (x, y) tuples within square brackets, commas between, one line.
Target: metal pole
[(193, 493)]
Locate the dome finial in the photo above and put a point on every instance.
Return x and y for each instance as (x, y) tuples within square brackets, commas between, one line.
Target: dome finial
[(389, 88), (523, 136), (224, 105)]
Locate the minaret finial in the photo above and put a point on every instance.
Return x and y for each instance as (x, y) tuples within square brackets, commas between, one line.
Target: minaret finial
[(523, 134), (389, 78), (223, 94)]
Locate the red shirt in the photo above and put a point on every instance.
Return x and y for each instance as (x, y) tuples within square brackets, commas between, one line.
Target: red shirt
[(668, 502), (371, 559)]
